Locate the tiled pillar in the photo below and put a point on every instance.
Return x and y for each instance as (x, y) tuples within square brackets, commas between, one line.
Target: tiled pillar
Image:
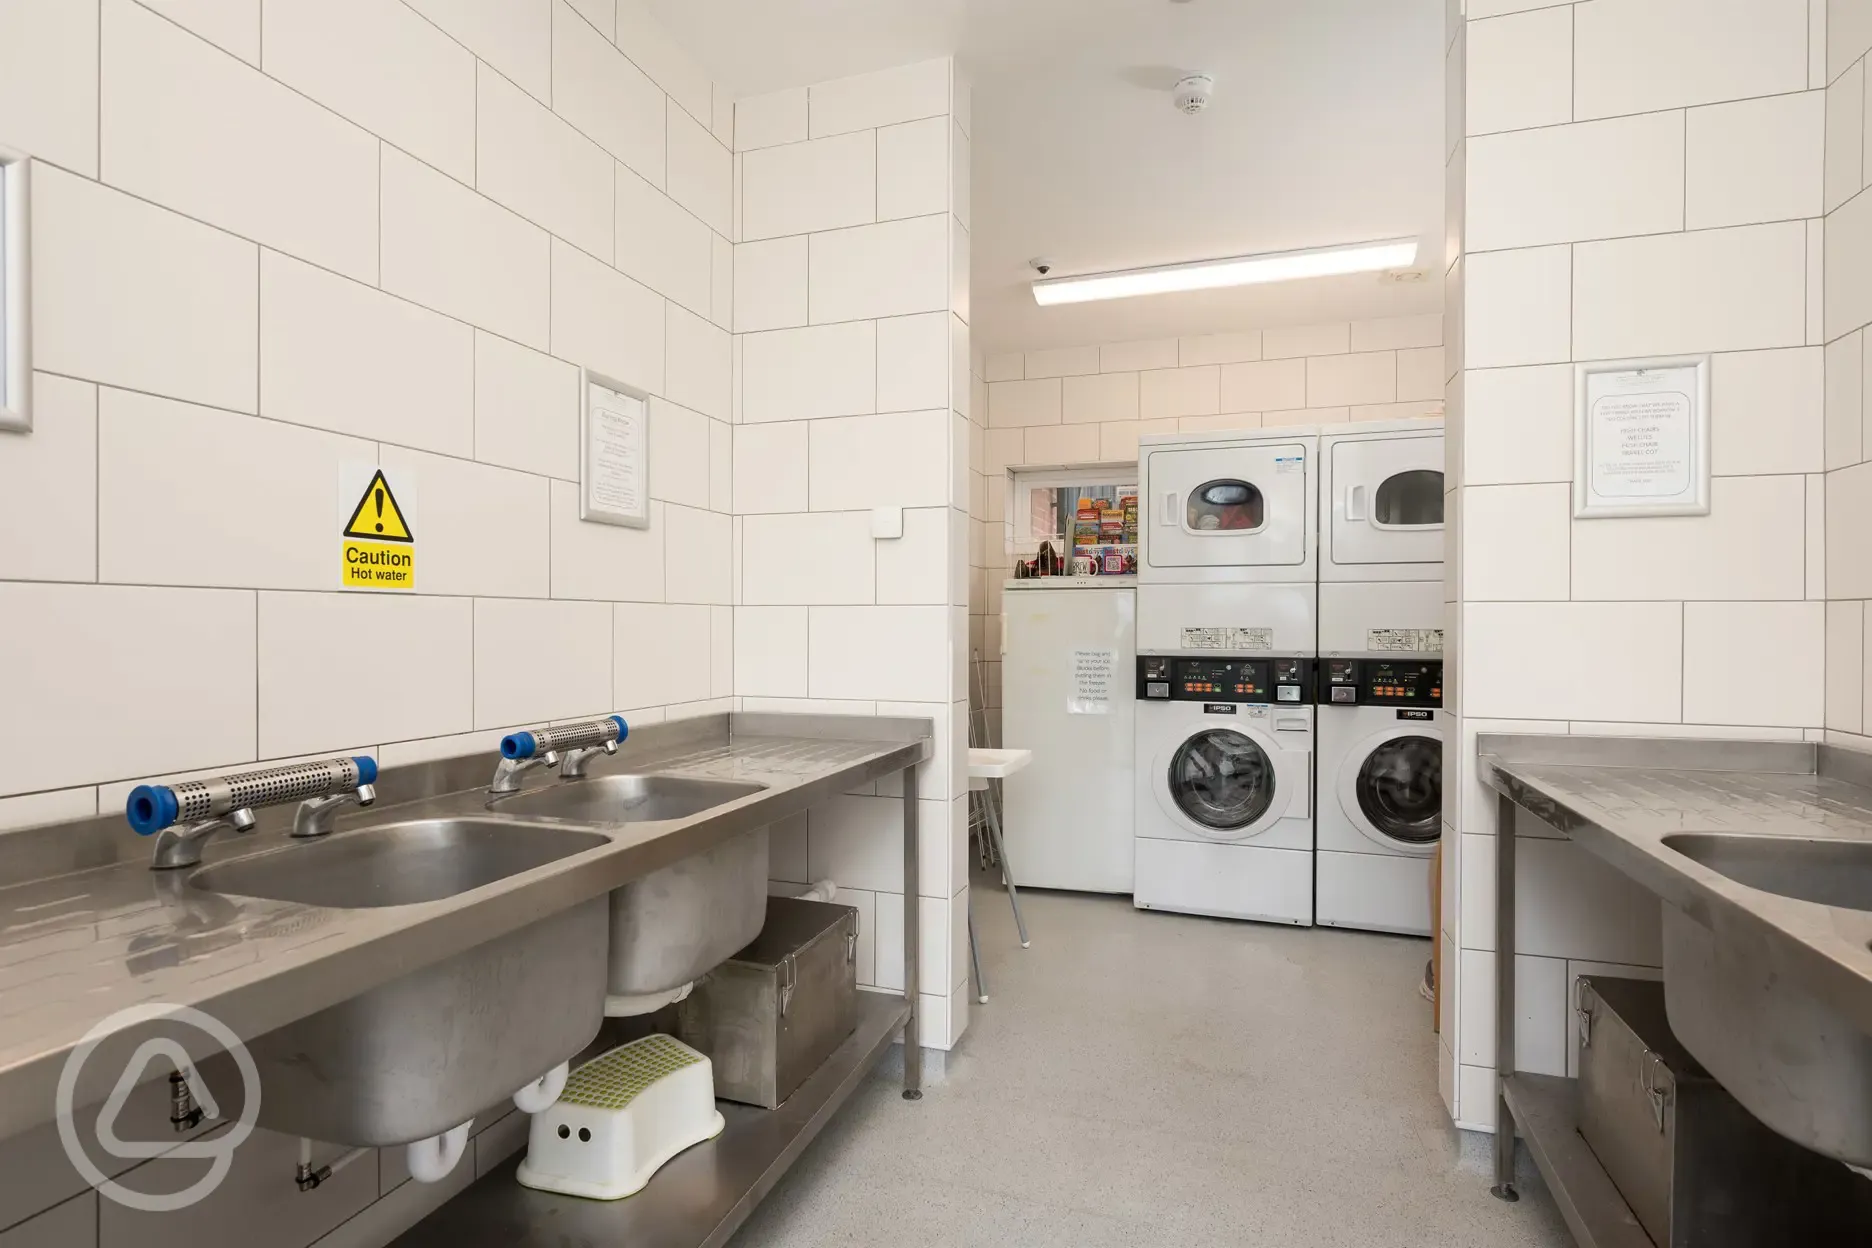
[(1626, 178), (851, 319), (1848, 309)]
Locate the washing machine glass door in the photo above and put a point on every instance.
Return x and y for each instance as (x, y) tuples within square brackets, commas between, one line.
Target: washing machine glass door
[(1222, 781), (1398, 790), (1387, 504)]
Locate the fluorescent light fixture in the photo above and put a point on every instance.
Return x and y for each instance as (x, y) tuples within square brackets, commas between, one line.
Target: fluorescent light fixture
[(1277, 266)]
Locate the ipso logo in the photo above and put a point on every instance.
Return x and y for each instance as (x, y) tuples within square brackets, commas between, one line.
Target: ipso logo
[(219, 1150)]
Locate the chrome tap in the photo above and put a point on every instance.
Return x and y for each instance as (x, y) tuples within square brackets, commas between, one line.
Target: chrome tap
[(316, 814), (223, 803), (573, 768), (182, 846), (508, 772)]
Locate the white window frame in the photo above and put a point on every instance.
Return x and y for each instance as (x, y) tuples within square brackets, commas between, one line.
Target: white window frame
[(15, 292)]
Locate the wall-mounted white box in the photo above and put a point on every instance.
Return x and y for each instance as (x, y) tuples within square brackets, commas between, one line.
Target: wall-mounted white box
[(15, 292)]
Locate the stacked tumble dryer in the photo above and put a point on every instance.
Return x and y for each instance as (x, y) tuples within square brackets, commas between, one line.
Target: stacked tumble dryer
[(1226, 635), (1380, 676)]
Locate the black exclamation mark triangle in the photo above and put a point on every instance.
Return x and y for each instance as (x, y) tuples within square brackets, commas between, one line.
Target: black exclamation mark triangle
[(378, 516)]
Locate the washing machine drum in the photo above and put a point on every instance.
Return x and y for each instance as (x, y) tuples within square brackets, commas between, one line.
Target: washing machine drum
[(1399, 788), (1222, 780)]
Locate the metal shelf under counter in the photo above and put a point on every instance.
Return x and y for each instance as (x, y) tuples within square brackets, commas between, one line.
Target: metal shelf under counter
[(1544, 1107), (701, 1197)]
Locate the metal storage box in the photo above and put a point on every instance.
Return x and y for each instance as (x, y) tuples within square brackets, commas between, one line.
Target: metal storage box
[(1696, 1168), (770, 1015)]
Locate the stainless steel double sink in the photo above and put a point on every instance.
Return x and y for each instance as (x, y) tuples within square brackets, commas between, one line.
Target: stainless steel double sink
[(1791, 1058), (418, 1056)]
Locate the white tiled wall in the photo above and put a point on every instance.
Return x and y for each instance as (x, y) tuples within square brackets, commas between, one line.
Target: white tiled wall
[(848, 330), (369, 231), (1847, 441), (1599, 212)]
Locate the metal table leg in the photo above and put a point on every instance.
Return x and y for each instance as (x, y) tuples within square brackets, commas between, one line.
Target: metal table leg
[(1007, 870), (912, 1034), (981, 981), (1504, 1188)]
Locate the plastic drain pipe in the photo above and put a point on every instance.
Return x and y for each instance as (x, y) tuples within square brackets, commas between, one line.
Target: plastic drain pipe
[(432, 1160), (308, 1178), (543, 1093)]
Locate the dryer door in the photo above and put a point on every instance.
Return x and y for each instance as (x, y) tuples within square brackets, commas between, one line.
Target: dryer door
[(1224, 784), (1391, 788), (1387, 501), (1226, 506)]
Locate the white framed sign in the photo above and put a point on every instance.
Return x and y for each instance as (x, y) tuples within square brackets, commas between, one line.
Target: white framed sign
[(614, 454), (1641, 437)]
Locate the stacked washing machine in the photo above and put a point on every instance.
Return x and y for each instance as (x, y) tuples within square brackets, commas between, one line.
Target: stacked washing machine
[(1227, 639), (1380, 688), (1279, 568)]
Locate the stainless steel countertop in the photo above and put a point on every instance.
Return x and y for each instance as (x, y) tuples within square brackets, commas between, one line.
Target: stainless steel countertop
[(77, 945), (1619, 797)]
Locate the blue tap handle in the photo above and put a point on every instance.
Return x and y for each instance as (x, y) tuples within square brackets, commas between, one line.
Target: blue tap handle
[(151, 808)]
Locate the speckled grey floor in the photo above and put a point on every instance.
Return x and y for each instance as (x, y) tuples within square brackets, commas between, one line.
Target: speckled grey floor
[(1145, 1079)]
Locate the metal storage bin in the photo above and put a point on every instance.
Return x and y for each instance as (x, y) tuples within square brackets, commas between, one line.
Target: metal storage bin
[(769, 1016), (1696, 1168)]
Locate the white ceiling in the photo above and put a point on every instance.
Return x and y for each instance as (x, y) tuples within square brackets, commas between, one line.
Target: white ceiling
[(1326, 127)]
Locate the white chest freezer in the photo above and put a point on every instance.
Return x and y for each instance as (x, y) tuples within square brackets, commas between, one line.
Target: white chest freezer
[(1067, 677)]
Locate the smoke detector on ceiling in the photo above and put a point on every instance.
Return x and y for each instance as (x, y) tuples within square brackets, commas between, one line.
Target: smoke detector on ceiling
[(1191, 94)]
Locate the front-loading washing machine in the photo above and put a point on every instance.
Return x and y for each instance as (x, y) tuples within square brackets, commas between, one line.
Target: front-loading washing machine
[(1224, 787), (1380, 807)]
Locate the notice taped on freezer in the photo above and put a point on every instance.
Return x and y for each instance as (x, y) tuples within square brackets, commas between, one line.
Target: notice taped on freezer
[(1093, 672)]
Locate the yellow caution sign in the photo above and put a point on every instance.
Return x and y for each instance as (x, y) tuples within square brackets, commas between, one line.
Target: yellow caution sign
[(378, 542)]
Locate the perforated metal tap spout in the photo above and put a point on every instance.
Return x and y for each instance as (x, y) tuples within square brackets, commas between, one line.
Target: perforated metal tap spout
[(153, 807), (574, 742), (583, 734)]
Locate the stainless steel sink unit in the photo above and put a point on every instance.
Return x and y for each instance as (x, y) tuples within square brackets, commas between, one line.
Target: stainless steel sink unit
[(425, 1052), (317, 991), (1825, 872), (1792, 1060), (1761, 856), (677, 924), (398, 864), (625, 799)]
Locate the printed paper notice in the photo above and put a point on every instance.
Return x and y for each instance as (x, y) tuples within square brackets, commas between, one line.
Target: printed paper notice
[(617, 459), (1092, 675), (1643, 441)]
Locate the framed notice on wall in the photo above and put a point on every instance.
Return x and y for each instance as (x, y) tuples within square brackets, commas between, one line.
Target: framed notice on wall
[(1641, 437), (614, 455)]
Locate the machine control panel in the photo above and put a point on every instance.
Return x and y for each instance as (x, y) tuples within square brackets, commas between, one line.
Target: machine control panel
[(1164, 678), (1381, 682)]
